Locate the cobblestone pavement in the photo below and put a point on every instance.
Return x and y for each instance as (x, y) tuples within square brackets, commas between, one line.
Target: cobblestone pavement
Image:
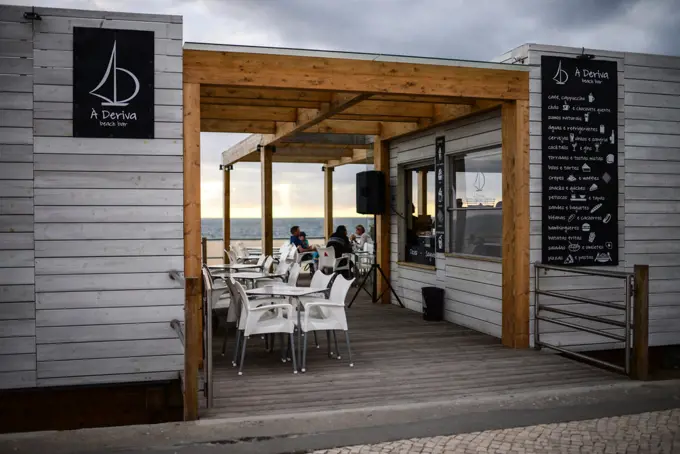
[(657, 432)]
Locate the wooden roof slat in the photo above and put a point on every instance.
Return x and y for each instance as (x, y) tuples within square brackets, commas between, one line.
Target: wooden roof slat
[(222, 91), (238, 126), (224, 112)]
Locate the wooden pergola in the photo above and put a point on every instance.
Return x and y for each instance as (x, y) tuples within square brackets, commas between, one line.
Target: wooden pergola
[(337, 108)]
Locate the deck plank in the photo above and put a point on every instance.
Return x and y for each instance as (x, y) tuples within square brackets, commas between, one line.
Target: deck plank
[(399, 359)]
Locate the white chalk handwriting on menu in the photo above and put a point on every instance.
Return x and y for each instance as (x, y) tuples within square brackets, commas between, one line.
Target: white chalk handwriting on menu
[(579, 165)]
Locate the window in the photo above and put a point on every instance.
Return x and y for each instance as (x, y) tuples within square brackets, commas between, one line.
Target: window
[(419, 210), (475, 203)]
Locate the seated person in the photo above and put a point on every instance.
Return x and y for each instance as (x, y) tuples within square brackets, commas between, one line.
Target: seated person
[(305, 245), (361, 237), (295, 240), (341, 244)]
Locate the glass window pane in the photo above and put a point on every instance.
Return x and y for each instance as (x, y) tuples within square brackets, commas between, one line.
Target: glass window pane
[(420, 195), (476, 191)]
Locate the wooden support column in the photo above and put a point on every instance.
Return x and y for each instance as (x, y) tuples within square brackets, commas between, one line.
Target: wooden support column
[(226, 216), (381, 162), (192, 246), (327, 202), (422, 193), (267, 213), (640, 363), (516, 267)]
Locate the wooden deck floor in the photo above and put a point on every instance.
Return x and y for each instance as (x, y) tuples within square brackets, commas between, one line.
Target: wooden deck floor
[(398, 358)]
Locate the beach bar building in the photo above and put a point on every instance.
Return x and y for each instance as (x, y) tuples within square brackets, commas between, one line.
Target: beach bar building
[(555, 222)]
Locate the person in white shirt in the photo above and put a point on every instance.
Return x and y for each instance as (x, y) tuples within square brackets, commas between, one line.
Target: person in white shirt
[(361, 237)]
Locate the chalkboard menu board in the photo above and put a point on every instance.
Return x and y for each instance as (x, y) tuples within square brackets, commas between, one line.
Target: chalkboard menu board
[(439, 189), (579, 162)]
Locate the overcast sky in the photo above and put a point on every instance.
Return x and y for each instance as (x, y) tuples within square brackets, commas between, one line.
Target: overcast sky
[(466, 29)]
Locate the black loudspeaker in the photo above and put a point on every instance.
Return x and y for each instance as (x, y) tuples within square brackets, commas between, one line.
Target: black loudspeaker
[(370, 192)]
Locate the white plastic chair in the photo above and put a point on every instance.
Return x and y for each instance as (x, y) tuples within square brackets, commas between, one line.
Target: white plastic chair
[(233, 258), (327, 260), (327, 315), (293, 274), (259, 318), (284, 250), (281, 271), (215, 294), (267, 265)]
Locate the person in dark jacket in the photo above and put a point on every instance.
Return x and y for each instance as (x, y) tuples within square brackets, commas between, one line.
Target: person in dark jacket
[(339, 241)]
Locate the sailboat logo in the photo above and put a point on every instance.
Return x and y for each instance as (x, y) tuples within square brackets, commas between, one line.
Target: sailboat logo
[(480, 181), (561, 77), (112, 70)]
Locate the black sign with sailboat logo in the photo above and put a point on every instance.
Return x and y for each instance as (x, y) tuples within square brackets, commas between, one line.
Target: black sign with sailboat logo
[(579, 161), (440, 191), (113, 83)]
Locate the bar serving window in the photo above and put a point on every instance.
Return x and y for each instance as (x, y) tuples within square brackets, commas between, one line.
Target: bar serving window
[(419, 214), (475, 203)]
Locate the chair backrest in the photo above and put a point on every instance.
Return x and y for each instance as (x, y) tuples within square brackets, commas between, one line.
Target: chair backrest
[(232, 255), (340, 288), (293, 254), (268, 262), (235, 304), (241, 250), (326, 257), (240, 294), (282, 267), (261, 259), (369, 247), (293, 274), (317, 279), (284, 249)]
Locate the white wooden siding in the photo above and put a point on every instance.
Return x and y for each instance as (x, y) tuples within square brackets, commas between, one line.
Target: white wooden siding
[(17, 275), (649, 184), (652, 192), (101, 219), (472, 287)]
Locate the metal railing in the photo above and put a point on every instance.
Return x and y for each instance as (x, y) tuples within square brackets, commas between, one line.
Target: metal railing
[(626, 308)]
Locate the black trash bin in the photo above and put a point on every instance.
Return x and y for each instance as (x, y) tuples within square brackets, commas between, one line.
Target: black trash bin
[(433, 304)]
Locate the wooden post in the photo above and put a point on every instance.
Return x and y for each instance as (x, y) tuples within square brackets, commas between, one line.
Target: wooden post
[(516, 266), (422, 193), (192, 348), (640, 361), (226, 202), (267, 214), (204, 250), (192, 246), (381, 162), (327, 202)]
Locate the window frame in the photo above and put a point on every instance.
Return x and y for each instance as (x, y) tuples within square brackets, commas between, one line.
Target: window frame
[(450, 198), (404, 187)]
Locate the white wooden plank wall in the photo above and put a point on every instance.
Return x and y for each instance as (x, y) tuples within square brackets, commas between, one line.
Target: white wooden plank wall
[(652, 193), (473, 288), (108, 219), (17, 276), (604, 289)]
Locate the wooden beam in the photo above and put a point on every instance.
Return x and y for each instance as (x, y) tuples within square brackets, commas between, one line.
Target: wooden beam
[(241, 149), (220, 91), (355, 76), (267, 213), (381, 159), (516, 266), (192, 246), (323, 146), (422, 193), (238, 126), (226, 212), (307, 118), (640, 362), (369, 128), (391, 108), (423, 99), (240, 113), (358, 156), (327, 202), (207, 100), (303, 155)]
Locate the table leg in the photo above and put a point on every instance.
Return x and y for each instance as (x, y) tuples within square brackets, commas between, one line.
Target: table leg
[(299, 317)]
